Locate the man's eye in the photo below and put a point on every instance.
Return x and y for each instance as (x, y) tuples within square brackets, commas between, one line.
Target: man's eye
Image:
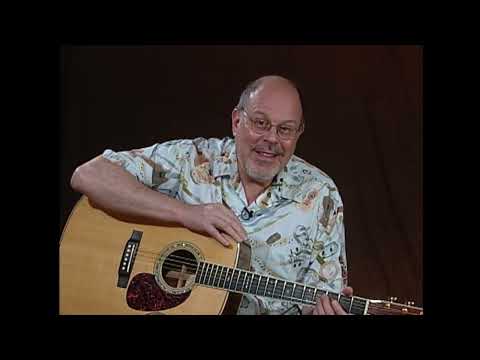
[(261, 123), (286, 130)]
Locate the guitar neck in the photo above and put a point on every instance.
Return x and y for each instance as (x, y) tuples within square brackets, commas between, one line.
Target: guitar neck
[(247, 282)]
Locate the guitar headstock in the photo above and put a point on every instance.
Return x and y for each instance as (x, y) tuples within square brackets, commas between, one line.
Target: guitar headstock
[(391, 307)]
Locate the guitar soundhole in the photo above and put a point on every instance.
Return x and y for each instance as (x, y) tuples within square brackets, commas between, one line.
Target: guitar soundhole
[(179, 269)]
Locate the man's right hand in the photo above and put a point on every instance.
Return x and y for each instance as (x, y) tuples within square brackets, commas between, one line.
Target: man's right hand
[(215, 220)]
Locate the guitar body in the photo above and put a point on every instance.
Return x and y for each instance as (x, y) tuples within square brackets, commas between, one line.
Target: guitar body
[(110, 266), (105, 269)]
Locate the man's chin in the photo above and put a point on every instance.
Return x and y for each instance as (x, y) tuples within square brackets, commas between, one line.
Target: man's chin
[(261, 175)]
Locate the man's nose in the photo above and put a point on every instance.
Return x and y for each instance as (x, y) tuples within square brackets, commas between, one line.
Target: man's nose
[(271, 135)]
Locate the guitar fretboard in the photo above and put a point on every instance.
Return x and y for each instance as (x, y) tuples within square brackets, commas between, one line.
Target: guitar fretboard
[(246, 282)]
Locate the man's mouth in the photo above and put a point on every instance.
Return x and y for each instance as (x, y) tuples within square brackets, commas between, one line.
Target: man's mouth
[(266, 154)]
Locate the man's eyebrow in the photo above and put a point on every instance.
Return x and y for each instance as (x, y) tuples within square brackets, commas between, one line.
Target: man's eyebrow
[(258, 112)]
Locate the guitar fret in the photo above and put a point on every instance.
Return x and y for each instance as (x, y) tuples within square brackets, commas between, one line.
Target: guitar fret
[(303, 292), (204, 275), (287, 292), (255, 283), (199, 272), (269, 289), (319, 292), (334, 296), (228, 279), (350, 306), (358, 306), (278, 290), (248, 283), (308, 295), (217, 278), (222, 277), (241, 279), (274, 286), (262, 285), (296, 294), (212, 275), (209, 275), (346, 303), (234, 281)]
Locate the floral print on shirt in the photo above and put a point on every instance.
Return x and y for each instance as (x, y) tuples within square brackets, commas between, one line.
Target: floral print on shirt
[(296, 229)]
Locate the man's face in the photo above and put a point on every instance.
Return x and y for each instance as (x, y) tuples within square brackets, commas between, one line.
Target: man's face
[(261, 156)]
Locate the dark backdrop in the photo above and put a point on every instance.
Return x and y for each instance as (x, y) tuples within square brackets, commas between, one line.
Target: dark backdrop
[(363, 108)]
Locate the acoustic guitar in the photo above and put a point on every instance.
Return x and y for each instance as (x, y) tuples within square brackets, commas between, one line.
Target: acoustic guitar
[(109, 266)]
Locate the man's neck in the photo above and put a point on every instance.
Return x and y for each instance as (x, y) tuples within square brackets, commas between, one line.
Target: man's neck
[(253, 189)]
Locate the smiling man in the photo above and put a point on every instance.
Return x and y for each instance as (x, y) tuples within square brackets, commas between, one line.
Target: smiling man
[(262, 153), (252, 188)]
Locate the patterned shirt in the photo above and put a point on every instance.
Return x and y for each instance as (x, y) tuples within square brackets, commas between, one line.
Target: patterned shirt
[(295, 227)]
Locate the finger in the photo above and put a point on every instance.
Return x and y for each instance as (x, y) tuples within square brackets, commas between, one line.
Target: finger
[(237, 231), (337, 308), (234, 220), (319, 308), (232, 229), (308, 310), (325, 300), (219, 237), (235, 223), (226, 227), (233, 233), (347, 291)]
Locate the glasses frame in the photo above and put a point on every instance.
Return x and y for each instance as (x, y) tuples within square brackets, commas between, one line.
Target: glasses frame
[(300, 128)]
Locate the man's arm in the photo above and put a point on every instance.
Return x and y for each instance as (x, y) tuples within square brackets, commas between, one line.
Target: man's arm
[(112, 188)]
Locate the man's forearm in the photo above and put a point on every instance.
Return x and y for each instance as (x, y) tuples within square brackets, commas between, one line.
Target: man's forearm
[(112, 188)]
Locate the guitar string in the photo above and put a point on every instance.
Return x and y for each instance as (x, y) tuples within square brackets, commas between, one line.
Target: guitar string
[(171, 264), (216, 280), (211, 270)]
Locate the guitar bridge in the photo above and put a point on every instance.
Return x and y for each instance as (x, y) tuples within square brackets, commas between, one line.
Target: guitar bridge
[(128, 258)]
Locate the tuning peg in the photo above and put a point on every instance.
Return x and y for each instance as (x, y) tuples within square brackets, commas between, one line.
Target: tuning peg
[(410, 303), (392, 298)]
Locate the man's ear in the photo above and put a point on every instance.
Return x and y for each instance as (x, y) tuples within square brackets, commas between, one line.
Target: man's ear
[(235, 121)]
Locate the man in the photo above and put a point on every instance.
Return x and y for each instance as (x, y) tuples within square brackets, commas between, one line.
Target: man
[(250, 188)]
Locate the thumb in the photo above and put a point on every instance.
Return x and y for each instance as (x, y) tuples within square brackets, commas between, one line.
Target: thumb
[(347, 291)]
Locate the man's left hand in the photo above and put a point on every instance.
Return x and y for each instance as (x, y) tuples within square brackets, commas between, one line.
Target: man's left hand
[(327, 306)]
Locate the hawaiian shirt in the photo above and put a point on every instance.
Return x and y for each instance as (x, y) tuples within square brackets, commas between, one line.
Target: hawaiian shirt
[(295, 227)]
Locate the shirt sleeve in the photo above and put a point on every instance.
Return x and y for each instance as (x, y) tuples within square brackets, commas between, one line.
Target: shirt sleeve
[(158, 167), (327, 268)]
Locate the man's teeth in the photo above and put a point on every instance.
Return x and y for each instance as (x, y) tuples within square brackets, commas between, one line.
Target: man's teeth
[(266, 154)]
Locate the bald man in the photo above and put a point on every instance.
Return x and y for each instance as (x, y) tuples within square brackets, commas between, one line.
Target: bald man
[(251, 188)]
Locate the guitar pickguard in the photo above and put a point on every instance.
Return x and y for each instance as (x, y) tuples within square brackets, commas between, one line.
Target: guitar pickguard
[(144, 294)]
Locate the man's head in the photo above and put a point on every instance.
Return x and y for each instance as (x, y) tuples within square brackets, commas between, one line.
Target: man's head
[(266, 124)]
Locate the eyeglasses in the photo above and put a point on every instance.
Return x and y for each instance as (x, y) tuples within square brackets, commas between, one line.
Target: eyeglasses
[(262, 126)]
